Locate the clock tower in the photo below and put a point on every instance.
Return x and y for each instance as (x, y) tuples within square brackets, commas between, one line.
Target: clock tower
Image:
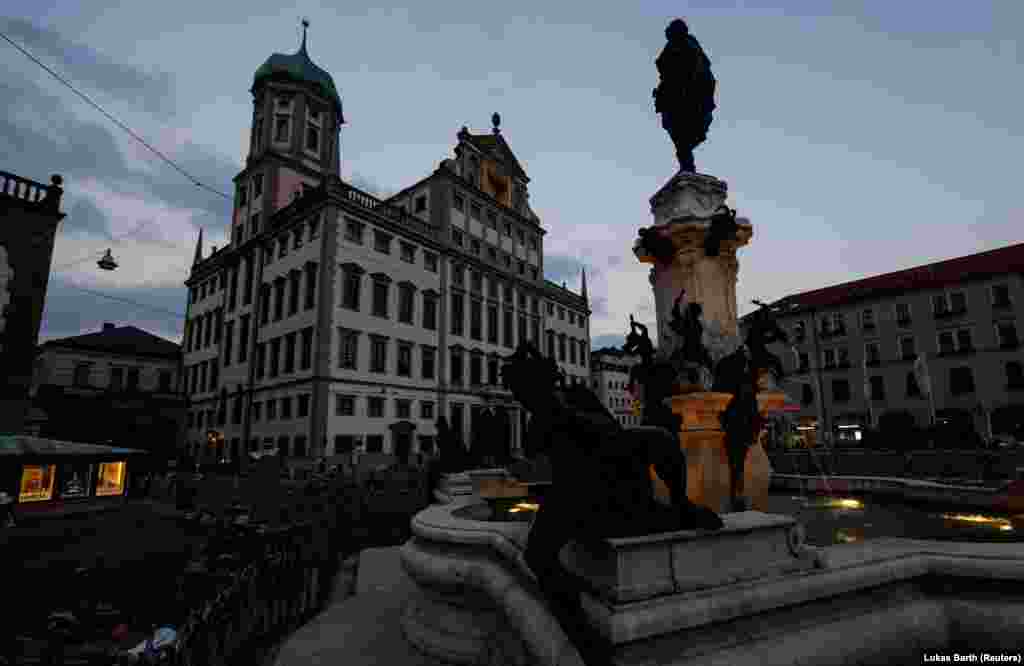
[(294, 142)]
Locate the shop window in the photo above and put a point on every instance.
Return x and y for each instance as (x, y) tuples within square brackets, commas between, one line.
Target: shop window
[(75, 480), (110, 479), (37, 483)]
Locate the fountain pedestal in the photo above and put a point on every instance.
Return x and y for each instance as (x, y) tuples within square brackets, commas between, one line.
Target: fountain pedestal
[(682, 211), (707, 461)]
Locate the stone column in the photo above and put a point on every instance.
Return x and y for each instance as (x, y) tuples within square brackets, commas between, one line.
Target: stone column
[(682, 211), (675, 248)]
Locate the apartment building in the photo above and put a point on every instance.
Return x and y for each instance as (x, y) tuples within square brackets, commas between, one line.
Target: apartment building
[(117, 386), (609, 379), (854, 346), (337, 321)]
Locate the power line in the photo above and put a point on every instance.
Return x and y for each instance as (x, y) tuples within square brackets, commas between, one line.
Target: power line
[(117, 122), (113, 239), (128, 301)]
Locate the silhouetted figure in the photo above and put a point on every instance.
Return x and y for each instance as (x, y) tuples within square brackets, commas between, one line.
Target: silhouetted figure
[(656, 245), (765, 330), (685, 97), (723, 227), (453, 453), (638, 342), (600, 484), (657, 380), (690, 330)]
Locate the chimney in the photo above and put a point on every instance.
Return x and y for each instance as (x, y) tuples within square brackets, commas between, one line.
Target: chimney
[(107, 326)]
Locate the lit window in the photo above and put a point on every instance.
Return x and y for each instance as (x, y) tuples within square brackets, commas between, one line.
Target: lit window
[(37, 483), (110, 479)]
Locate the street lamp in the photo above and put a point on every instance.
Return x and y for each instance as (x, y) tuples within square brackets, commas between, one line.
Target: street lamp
[(107, 262)]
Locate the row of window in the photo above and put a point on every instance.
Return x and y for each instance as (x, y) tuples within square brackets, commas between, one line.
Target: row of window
[(296, 446), (120, 378), (211, 417), (204, 330), (475, 247), (355, 233), (272, 413), (279, 356), (349, 357), (943, 305), (295, 290), (577, 349), (948, 342), (961, 382), (476, 212), (307, 232), (275, 300), (346, 405), (282, 116)]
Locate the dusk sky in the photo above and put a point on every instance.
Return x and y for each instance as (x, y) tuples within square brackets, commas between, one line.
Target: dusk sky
[(858, 137)]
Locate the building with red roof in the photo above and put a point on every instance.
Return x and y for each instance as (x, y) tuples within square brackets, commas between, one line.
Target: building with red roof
[(856, 345)]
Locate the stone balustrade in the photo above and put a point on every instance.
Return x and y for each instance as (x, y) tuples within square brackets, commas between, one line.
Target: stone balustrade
[(44, 197)]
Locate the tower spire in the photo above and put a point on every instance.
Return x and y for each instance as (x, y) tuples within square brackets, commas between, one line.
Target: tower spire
[(583, 285), (305, 27), (199, 248)]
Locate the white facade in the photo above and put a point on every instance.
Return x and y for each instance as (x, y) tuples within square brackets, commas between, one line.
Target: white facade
[(609, 379), (396, 312)]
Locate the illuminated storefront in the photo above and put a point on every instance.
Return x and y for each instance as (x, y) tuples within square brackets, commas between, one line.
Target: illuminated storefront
[(110, 480), (43, 473), (37, 483)]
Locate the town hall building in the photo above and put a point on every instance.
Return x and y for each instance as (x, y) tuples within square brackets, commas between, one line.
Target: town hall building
[(336, 321)]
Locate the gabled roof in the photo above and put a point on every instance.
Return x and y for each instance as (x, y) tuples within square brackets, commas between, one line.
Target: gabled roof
[(938, 275), (495, 144), (123, 340)]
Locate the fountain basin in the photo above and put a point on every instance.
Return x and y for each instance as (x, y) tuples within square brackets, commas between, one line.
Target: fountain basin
[(477, 601)]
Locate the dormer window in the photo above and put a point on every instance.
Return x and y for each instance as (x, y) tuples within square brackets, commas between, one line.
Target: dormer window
[(257, 186), (314, 128), (243, 195)]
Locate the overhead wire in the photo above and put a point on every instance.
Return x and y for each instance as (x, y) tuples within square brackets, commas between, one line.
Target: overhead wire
[(114, 120), (113, 239), (176, 315), (142, 141)]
